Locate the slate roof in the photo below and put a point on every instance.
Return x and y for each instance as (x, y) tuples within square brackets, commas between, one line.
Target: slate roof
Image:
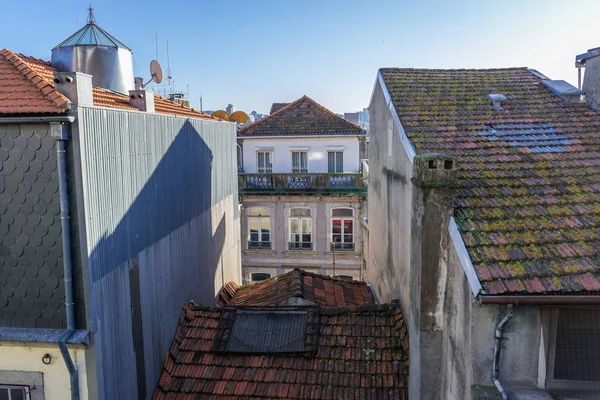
[(360, 353), (297, 285), (528, 204), (302, 117), (27, 88), (277, 106)]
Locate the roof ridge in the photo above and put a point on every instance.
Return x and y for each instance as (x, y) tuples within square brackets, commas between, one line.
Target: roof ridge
[(296, 283), (53, 95)]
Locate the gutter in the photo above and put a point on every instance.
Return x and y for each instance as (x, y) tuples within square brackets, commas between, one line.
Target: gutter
[(60, 132), (541, 300), (25, 120)]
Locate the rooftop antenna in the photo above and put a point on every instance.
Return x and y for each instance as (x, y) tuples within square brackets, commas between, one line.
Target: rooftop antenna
[(168, 66), (157, 46), (91, 19)]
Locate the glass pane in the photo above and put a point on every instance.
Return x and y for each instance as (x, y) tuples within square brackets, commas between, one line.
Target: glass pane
[(295, 161), (258, 211), (306, 238), (348, 239), (304, 161), (3, 394), (265, 229), (339, 162), (17, 394), (331, 162), (261, 161), (336, 226), (253, 226), (269, 162), (306, 225), (337, 238), (300, 212), (348, 225), (342, 212), (260, 276), (294, 225)]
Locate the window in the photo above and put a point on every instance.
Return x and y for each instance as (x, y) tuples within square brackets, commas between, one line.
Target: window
[(335, 162), (259, 276), (299, 162), (345, 277), (265, 162), (300, 229), (259, 228), (574, 358), (342, 228), (13, 392)]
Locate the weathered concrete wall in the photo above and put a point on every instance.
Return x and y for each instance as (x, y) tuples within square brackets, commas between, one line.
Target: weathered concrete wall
[(591, 81), (280, 259)]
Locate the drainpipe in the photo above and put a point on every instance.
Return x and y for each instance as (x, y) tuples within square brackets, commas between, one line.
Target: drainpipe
[(61, 133), (498, 338)]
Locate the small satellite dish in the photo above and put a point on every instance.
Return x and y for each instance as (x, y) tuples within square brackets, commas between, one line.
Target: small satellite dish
[(156, 71), (221, 114), (239, 116)]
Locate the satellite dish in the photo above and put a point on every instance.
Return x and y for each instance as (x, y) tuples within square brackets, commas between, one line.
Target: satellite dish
[(221, 114), (156, 71), (239, 116)]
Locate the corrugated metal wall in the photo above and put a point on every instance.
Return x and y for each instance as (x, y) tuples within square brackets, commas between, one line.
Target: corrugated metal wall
[(160, 195)]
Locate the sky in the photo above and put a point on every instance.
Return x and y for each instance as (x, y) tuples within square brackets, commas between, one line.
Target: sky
[(254, 53)]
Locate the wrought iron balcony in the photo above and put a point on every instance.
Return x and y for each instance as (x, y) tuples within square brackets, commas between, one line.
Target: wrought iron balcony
[(259, 183)]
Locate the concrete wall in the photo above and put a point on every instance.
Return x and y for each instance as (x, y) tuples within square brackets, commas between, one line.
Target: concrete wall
[(279, 259), (591, 82), (22, 365), (162, 228), (317, 152)]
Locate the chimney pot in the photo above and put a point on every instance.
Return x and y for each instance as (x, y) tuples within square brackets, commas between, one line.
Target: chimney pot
[(76, 86)]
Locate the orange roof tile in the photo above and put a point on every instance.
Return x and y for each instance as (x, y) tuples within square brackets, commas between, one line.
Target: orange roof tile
[(27, 87), (317, 289), (355, 353)]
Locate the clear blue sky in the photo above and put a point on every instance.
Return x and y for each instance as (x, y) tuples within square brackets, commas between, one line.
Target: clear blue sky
[(253, 53)]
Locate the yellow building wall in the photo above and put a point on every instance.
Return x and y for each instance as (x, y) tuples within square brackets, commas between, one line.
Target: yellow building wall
[(56, 376)]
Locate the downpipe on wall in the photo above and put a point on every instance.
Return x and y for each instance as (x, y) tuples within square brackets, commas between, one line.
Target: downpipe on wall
[(61, 133), (497, 340)]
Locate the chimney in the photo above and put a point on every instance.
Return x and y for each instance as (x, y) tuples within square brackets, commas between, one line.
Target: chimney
[(76, 86), (591, 80), (434, 179), (141, 99)]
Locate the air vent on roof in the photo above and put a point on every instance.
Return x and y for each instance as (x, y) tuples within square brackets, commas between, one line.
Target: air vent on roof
[(497, 100)]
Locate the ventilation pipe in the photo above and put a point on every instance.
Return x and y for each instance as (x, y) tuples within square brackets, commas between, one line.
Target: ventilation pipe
[(497, 339)]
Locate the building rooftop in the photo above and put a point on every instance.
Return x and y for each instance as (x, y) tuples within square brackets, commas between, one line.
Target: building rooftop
[(277, 106), (302, 117), (528, 205), (325, 353), (297, 287), (27, 88)]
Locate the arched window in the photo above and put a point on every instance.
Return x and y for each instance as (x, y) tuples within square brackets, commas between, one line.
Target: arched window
[(259, 228), (342, 229), (300, 229)]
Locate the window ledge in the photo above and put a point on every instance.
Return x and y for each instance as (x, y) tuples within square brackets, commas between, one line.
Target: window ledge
[(258, 251), (288, 253)]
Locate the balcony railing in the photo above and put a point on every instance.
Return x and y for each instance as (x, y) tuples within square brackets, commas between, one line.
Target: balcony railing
[(269, 182)]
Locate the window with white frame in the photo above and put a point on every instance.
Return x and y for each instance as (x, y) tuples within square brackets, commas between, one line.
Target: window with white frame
[(574, 362), (259, 228), (264, 160), (300, 229), (299, 162), (14, 392), (342, 229), (335, 162), (259, 276)]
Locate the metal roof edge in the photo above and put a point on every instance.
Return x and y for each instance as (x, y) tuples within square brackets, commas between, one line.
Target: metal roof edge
[(465, 260), (37, 335), (408, 146)]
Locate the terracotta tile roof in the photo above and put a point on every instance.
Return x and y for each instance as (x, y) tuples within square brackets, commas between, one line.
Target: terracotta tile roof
[(27, 87), (360, 353), (296, 287), (528, 204), (302, 117), (277, 106)]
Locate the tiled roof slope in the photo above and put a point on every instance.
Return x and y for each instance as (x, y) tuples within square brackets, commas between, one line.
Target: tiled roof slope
[(362, 353), (277, 106), (317, 289), (27, 87), (302, 117), (528, 204)]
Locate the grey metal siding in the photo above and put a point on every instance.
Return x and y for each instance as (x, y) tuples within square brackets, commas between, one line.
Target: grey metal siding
[(164, 190)]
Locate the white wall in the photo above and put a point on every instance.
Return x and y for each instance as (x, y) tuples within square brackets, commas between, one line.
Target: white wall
[(317, 152)]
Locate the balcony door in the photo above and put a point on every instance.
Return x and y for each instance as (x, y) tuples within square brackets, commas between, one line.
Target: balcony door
[(299, 162), (335, 162)]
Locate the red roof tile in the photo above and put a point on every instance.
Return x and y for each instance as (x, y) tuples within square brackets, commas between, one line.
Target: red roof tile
[(302, 117), (297, 286), (277, 106), (361, 352), (27, 87), (528, 202)]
